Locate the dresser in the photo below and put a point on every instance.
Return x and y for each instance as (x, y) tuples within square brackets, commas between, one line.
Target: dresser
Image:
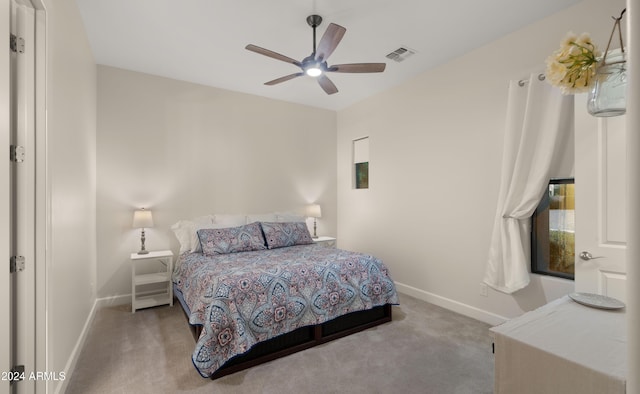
[(562, 347)]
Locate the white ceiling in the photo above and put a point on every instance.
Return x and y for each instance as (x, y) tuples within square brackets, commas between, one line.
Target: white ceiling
[(202, 41)]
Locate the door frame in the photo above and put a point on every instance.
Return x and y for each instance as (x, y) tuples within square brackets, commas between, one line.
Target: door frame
[(5, 210), (43, 196), (23, 194), (41, 204)]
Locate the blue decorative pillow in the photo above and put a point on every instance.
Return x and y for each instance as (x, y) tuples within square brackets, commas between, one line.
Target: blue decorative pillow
[(232, 239), (283, 234)]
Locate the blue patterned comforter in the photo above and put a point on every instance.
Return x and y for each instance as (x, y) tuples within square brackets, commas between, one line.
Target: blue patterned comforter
[(244, 298)]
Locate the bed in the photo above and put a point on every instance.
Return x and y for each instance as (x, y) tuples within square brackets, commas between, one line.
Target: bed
[(273, 298)]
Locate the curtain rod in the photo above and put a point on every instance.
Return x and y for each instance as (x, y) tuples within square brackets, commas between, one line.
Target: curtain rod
[(522, 82)]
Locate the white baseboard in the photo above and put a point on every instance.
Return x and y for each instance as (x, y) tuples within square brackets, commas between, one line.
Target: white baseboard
[(99, 303), (114, 300), (458, 307), (77, 349)]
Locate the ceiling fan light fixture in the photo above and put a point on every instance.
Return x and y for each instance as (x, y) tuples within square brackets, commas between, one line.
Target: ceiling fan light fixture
[(313, 67), (313, 71)]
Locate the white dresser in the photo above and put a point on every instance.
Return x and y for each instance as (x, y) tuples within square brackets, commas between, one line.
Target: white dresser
[(562, 347)]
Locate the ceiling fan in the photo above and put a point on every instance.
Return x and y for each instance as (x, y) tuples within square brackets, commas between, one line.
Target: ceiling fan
[(315, 65)]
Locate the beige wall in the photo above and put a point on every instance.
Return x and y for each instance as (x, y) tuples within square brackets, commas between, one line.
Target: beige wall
[(185, 150), (71, 181), (435, 148)]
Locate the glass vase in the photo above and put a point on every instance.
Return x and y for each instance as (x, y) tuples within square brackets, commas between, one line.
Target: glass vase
[(608, 97)]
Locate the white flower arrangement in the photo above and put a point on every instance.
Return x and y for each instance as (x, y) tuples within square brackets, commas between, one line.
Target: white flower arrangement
[(572, 67)]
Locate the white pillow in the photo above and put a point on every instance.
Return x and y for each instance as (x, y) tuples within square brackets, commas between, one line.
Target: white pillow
[(185, 232), (182, 230)]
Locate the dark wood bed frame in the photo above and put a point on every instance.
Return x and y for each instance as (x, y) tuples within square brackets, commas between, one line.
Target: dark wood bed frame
[(300, 339)]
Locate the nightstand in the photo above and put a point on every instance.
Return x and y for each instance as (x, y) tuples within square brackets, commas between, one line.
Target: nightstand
[(148, 269), (327, 242)]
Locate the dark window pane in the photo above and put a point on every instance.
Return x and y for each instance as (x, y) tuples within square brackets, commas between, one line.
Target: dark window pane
[(553, 231), (362, 175)]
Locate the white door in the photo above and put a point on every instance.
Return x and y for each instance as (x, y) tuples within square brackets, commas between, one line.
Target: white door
[(22, 186), (600, 173)]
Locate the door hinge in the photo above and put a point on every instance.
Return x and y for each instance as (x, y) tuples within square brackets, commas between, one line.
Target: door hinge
[(16, 43), (17, 153), (16, 264), (17, 374)]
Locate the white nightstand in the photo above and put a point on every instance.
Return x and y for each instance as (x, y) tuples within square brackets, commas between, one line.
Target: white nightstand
[(145, 271), (327, 242)]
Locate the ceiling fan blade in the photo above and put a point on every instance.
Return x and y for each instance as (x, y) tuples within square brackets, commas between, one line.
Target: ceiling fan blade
[(329, 41), (283, 79), (272, 54), (358, 68), (327, 85)]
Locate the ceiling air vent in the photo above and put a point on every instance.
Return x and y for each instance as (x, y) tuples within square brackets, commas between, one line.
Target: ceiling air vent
[(401, 54)]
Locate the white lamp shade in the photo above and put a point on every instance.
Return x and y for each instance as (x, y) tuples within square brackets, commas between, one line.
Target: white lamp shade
[(142, 219), (314, 211)]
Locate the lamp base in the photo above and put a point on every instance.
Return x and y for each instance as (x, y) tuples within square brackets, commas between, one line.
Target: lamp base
[(314, 228), (142, 248)]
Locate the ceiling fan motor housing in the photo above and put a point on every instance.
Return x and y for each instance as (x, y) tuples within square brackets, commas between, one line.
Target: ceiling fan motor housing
[(314, 20), (310, 61)]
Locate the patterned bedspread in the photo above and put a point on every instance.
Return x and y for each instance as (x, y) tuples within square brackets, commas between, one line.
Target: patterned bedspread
[(244, 298)]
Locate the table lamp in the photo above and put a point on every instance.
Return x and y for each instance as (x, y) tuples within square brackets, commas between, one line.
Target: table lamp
[(142, 219), (314, 211)]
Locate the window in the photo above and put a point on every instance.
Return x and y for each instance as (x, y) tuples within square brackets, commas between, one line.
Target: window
[(553, 231), (361, 163)]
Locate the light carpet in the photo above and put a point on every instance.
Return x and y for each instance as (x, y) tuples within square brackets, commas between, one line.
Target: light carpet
[(425, 349)]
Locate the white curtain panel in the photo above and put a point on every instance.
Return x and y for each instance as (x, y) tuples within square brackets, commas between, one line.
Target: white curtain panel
[(538, 132)]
